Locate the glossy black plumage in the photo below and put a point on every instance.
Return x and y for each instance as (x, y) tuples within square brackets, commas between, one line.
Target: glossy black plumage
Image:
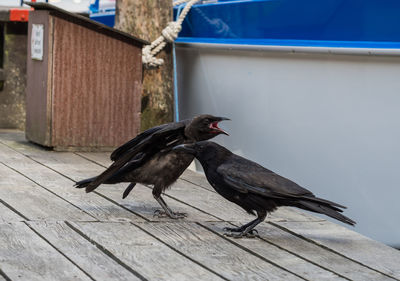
[(148, 158), (253, 187)]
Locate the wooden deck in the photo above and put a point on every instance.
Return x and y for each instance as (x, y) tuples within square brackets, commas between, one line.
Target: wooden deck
[(52, 231)]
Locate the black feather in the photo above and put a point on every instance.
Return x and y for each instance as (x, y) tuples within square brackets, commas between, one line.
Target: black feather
[(148, 158), (254, 187)]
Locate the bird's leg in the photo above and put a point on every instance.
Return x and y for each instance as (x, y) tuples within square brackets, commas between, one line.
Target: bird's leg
[(247, 229), (167, 211)]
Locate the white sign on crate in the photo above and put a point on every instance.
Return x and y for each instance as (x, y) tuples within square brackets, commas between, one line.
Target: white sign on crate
[(37, 41)]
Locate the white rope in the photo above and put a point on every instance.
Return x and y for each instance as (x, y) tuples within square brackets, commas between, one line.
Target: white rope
[(169, 34)]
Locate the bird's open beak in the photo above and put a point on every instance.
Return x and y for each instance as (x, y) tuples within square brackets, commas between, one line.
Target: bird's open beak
[(186, 148), (222, 119), (215, 128)]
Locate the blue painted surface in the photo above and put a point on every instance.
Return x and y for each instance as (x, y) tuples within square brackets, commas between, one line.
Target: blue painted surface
[(103, 15), (332, 23), (104, 18)]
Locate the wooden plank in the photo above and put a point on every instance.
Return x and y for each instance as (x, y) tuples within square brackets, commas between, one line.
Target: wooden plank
[(95, 205), (141, 196), (34, 202), (275, 254), (215, 252), (350, 244), (38, 83), (88, 108), (75, 167), (207, 201), (215, 204), (7, 215), (55, 160), (25, 256), (189, 189), (196, 179), (101, 158), (141, 201), (318, 255), (143, 253), (12, 135), (89, 258)]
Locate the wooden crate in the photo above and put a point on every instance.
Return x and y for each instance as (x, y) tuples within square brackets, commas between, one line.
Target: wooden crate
[(84, 94)]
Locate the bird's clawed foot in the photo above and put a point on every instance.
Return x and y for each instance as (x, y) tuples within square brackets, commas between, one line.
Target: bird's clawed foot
[(173, 215), (233, 229), (233, 232)]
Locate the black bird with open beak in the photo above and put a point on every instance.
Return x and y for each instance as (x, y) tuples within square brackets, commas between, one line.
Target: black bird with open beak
[(253, 187), (149, 159)]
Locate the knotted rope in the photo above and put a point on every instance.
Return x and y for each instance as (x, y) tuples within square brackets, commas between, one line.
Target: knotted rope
[(169, 34)]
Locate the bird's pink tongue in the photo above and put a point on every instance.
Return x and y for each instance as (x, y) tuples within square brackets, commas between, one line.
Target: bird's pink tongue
[(217, 129)]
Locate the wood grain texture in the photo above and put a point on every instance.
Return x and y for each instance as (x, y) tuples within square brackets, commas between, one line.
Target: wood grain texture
[(96, 93), (95, 205), (101, 158), (38, 84), (89, 258), (34, 202), (213, 203), (37, 185), (75, 167), (215, 252), (7, 215), (143, 253), (283, 258), (141, 201), (312, 252), (193, 188), (26, 256), (196, 178), (350, 244), (282, 214)]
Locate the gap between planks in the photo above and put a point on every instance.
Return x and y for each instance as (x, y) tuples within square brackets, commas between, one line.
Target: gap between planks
[(59, 185), (288, 230)]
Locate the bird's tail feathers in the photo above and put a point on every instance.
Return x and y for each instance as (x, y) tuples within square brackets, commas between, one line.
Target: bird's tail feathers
[(86, 184), (327, 202), (328, 210)]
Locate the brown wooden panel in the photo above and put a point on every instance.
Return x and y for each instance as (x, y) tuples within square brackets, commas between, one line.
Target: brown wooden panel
[(38, 96), (96, 88)]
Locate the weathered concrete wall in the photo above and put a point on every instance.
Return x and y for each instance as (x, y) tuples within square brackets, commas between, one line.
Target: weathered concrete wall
[(12, 96)]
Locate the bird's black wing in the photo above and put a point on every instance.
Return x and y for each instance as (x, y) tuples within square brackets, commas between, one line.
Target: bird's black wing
[(246, 176), (117, 153), (163, 138)]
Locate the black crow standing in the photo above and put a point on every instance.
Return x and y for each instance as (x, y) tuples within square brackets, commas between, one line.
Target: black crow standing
[(253, 187), (149, 159)]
